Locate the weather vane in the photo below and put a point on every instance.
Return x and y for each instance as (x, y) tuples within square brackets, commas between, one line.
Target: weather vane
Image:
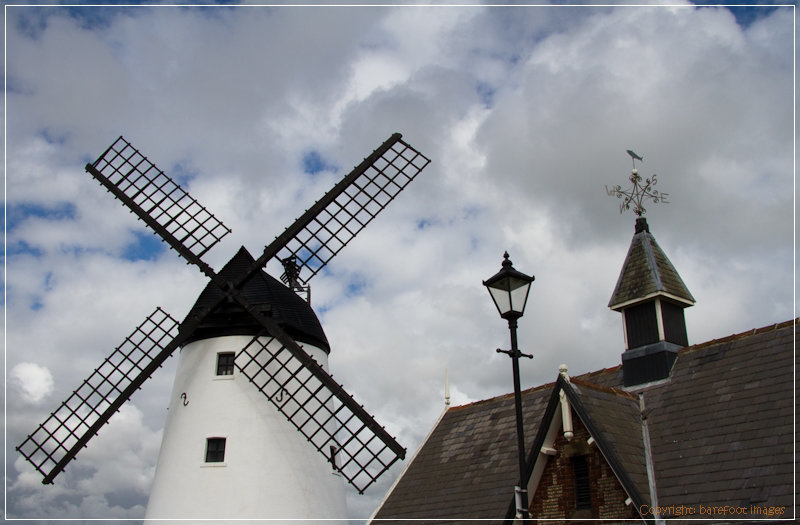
[(638, 192), (291, 276)]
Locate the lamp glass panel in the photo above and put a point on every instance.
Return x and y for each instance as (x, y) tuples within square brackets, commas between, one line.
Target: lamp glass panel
[(502, 299), (518, 298)]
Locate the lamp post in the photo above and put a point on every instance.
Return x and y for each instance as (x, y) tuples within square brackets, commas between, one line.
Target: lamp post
[(509, 290)]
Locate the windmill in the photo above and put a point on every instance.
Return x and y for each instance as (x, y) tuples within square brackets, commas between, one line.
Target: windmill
[(257, 332)]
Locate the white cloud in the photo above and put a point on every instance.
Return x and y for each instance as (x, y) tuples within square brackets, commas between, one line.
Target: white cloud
[(111, 481), (35, 382), (526, 113)]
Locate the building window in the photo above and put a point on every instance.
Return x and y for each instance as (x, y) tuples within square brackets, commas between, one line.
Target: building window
[(583, 493), (215, 450), (225, 364)]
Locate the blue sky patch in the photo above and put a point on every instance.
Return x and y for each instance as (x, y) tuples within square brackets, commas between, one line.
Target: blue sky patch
[(745, 15), (52, 137), (22, 248), (424, 223), (97, 17), (16, 214), (312, 261), (30, 22), (180, 173), (147, 247), (313, 163), (355, 287), (485, 94)]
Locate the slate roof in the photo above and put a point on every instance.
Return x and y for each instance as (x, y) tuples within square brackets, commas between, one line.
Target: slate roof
[(468, 467), (647, 272), (721, 431), (264, 292), (722, 427)]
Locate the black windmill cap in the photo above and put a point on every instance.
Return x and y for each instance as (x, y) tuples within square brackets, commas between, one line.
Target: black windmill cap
[(265, 293)]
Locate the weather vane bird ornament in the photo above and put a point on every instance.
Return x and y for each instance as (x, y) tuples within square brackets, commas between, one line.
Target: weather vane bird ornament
[(253, 330), (638, 192)]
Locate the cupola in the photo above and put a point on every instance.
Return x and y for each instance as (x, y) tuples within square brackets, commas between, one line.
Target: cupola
[(651, 296)]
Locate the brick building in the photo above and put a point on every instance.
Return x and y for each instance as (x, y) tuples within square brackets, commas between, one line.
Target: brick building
[(674, 431)]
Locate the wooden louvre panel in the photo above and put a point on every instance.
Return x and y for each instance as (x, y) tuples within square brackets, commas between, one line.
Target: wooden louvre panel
[(674, 323), (641, 324), (583, 489)]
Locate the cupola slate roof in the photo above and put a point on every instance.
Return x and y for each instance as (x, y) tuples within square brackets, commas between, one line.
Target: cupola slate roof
[(721, 433), (647, 272), (264, 292)]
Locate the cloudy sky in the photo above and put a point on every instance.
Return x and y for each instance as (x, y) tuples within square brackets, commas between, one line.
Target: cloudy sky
[(526, 113)]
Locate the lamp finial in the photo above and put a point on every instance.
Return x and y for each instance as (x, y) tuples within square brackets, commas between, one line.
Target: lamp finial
[(446, 388)]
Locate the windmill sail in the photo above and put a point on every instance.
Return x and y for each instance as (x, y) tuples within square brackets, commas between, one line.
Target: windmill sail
[(182, 222), (333, 221), (62, 435), (321, 410)]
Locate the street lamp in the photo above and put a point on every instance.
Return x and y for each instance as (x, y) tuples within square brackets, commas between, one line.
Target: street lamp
[(509, 290)]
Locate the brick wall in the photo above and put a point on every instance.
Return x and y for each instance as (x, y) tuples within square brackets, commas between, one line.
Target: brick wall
[(555, 495)]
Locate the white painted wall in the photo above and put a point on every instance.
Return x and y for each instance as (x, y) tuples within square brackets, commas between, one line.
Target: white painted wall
[(270, 470)]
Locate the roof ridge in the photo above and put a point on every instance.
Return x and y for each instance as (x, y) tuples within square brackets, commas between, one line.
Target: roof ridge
[(733, 337), (503, 396), (603, 388), (597, 372), (583, 379)]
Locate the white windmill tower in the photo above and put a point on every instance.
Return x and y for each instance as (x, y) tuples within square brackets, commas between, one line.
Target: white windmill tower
[(257, 427), (221, 438)]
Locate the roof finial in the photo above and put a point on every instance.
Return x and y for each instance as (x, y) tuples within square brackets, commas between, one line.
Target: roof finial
[(638, 192)]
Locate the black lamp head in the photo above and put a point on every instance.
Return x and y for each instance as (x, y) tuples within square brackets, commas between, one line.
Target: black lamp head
[(509, 290)]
